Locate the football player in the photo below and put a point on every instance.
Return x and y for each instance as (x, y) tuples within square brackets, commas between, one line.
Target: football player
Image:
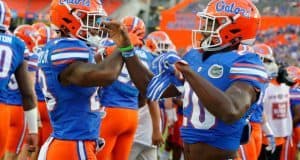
[(277, 120), (220, 84), (17, 128), (12, 51), (294, 73), (252, 149), (45, 34), (121, 101), (69, 77)]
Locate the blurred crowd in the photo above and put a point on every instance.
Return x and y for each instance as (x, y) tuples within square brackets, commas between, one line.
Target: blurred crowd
[(285, 43)]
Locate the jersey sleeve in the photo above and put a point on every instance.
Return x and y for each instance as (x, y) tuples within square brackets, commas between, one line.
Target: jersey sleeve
[(32, 61), (65, 52), (295, 96), (249, 69)]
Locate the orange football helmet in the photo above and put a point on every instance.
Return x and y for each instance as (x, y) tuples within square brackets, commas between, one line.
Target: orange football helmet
[(136, 29), (294, 74), (45, 33), (245, 48), (28, 34), (81, 19), (226, 23), (159, 42), (265, 52), (5, 16)]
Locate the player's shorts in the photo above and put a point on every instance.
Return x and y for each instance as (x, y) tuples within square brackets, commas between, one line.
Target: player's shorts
[(55, 149), (4, 126), (17, 129), (251, 150), (46, 129)]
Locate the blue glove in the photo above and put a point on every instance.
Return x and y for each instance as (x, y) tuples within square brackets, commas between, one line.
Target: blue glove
[(160, 83), (272, 145), (166, 62)]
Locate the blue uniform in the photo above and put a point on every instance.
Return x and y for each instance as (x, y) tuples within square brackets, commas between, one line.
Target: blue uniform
[(256, 114), (38, 90), (221, 70), (294, 100), (13, 93), (74, 111), (123, 93), (11, 57)]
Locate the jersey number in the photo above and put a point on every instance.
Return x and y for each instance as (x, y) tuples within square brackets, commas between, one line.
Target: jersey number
[(13, 85), (50, 99), (200, 118), (6, 55)]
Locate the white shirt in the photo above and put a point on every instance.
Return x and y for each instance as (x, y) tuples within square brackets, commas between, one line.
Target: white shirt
[(143, 134), (276, 104)]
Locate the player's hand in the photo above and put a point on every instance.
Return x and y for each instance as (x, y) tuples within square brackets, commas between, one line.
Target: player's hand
[(159, 83), (135, 37), (169, 60), (32, 142), (117, 32), (272, 145), (157, 138)]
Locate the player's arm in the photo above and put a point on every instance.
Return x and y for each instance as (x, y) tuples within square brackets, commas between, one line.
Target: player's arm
[(296, 118), (228, 106), (29, 100), (141, 76), (104, 73), (87, 74), (157, 138), (26, 87)]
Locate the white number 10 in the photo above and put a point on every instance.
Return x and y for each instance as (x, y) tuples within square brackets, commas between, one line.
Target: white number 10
[(200, 118)]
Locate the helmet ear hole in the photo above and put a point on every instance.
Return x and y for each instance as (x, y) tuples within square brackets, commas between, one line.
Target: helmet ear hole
[(234, 31), (67, 20)]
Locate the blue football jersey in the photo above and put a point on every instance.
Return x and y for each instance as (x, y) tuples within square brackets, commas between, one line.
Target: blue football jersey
[(38, 90), (123, 93), (13, 93), (74, 111), (11, 57), (221, 70), (294, 100), (256, 113)]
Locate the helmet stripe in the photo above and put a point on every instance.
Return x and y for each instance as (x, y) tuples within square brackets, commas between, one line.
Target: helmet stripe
[(2, 13), (48, 34), (135, 22)]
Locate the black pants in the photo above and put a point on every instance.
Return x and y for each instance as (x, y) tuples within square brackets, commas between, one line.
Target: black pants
[(267, 155)]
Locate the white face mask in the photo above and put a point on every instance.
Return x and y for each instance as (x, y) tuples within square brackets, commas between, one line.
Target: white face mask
[(272, 69), (94, 40)]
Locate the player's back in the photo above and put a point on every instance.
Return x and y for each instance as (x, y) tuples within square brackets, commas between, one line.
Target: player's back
[(74, 110), (221, 70), (11, 57)]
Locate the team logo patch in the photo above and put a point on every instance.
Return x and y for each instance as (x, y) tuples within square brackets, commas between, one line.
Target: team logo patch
[(215, 71)]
